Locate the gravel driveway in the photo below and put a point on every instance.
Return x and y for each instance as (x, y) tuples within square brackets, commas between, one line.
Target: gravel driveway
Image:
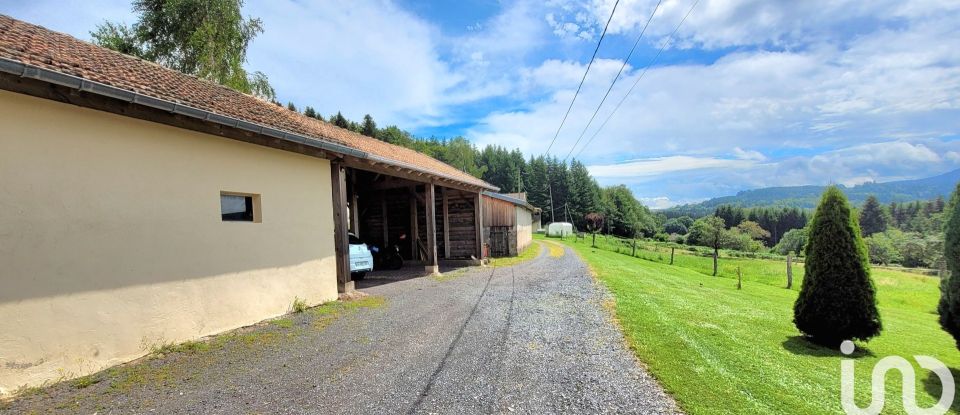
[(533, 338)]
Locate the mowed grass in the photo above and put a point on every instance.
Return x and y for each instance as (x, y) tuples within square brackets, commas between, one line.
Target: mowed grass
[(532, 251), (717, 349)]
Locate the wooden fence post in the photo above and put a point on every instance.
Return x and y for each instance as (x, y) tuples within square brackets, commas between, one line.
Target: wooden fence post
[(789, 270), (634, 254), (739, 279), (715, 254), (671, 254)]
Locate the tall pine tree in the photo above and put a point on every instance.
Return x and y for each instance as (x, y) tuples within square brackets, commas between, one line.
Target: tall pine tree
[(873, 219), (949, 307), (837, 301)]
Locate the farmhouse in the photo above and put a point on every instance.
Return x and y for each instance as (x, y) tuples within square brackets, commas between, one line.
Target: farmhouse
[(142, 206), (508, 222)]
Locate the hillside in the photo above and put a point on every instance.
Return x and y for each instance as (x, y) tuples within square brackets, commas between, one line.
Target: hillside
[(808, 196)]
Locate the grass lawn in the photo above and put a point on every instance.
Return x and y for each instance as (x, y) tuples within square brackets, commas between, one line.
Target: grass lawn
[(528, 253), (722, 350)]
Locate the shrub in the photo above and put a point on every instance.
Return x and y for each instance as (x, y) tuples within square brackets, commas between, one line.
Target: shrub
[(299, 305), (949, 307), (838, 299)]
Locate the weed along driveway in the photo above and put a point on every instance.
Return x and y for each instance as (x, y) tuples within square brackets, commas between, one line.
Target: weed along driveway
[(533, 337)]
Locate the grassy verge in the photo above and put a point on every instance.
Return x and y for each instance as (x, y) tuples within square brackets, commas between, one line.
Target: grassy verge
[(530, 252), (722, 350), (171, 365)]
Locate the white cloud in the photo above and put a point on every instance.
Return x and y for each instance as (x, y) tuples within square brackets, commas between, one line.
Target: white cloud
[(664, 165), (892, 84), (663, 202), (719, 24), (748, 154)]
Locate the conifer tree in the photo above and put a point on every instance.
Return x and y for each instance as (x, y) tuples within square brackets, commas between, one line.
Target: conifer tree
[(837, 301), (872, 217), (949, 307), (369, 127)]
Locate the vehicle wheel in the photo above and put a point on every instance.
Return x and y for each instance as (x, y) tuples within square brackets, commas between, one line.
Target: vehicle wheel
[(395, 262), (357, 276)]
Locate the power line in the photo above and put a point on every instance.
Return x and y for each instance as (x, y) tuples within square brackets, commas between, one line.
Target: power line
[(615, 79), (584, 77), (645, 69)]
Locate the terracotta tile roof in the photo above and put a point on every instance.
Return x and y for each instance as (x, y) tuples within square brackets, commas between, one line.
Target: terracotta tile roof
[(34, 45)]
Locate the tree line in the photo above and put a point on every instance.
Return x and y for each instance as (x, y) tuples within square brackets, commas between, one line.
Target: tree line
[(909, 234), (566, 192)]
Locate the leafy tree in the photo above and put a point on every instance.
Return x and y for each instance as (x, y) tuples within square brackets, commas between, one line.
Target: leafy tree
[(460, 153), (838, 299), (369, 127), (753, 230), (795, 240), (206, 38), (882, 249), (949, 306), (675, 226), (395, 135), (873, 219), (594, 223), (685, 221), (710, 231)]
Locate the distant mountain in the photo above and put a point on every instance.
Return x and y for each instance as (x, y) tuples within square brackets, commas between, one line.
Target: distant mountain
[(808, 196)]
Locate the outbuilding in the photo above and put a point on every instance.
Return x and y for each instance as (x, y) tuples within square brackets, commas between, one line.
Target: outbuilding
[(508, 222), (142, 206)]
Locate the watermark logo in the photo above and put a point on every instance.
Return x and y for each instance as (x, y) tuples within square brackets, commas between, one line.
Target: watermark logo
[(878, 380)]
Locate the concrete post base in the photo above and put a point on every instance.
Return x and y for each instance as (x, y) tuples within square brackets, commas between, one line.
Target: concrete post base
[(345, 287), (432, 269)]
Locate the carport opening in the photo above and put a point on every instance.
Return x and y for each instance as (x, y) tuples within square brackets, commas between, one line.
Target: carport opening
[(387, 211)]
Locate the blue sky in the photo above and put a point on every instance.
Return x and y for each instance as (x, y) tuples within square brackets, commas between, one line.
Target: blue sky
[(750, 93)]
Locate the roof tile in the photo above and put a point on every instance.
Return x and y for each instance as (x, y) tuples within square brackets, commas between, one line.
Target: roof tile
[(34, 45)]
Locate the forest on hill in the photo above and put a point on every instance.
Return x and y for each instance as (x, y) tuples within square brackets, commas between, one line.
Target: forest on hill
[(573, 191), (806, 197)]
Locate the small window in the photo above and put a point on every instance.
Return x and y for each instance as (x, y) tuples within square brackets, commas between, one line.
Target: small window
[(238, 207)]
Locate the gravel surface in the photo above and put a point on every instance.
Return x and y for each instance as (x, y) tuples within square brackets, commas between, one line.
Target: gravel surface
[(533, 338)]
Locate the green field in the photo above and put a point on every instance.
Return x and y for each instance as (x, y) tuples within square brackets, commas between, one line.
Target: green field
[(722, 350)]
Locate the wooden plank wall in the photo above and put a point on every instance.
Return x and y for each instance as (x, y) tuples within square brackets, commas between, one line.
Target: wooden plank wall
[(497, 212), (462, 220)]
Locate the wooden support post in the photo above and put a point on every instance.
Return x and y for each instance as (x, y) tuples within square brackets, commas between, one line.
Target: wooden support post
[(341, 242), (432, 265), (634, 252), (446, 223), (739, 279), (789, 270), (478, 219), (386, 226), (671, 254), (414, 232), (354, 208)]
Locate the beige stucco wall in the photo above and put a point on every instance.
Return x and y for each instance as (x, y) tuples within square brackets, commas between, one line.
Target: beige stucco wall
[(111, 239), (524, 228)]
